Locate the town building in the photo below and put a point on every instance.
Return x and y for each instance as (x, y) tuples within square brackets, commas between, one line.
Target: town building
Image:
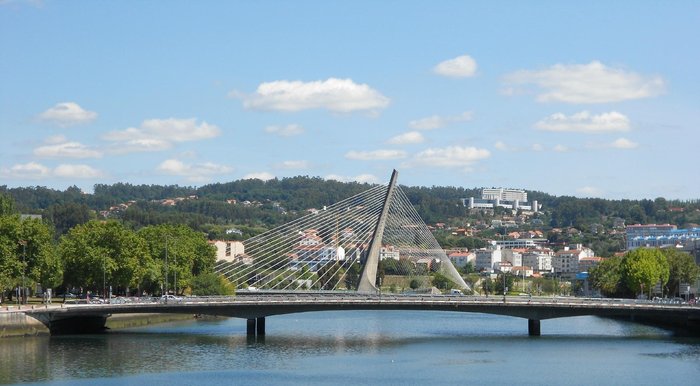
[(566, 262), (488, 259), (662, 235), (460, 259), (504, 198), (228, 250), (539, 259)]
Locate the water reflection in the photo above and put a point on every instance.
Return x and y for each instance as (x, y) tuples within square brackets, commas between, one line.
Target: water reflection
[(376, 345)]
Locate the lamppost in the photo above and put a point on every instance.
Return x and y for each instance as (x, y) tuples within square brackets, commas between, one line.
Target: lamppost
[(166, 266), (24, 269), (104, 277)]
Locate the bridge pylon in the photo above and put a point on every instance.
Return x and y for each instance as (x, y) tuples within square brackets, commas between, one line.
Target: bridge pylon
[(369, 271), (342, 247)]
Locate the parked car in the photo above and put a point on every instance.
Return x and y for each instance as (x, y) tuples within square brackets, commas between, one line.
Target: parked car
[(170, 299)]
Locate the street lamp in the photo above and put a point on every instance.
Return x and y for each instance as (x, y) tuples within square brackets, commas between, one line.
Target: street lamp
[(24, 269), (104, 277), (166, 266)]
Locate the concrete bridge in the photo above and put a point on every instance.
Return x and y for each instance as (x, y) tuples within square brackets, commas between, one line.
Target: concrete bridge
[(255, 308)]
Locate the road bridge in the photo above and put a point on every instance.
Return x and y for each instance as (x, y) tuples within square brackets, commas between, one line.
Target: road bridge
[(255, 308)]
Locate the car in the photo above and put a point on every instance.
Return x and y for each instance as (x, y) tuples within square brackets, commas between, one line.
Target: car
[(170, 299)]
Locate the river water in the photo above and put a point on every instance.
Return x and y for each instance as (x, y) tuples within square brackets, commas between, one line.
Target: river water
[(360, 348)]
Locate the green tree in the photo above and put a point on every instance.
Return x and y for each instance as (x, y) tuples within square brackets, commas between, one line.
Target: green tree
[(682, 269), (210, 284), (188, 253), (105, 253), (352, 276), (414, 284), (608, 277), (27, 254), (441, 281), (487, 286), (329, 275), (498, 284), (643, 268)]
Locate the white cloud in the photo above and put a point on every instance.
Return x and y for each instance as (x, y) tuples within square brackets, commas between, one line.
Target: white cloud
[(201, 172), (339, 95), (285, 131), (76, 171), (620, 143), (560, 148), (587, 83), (159, 134), (362, 178), (59, 148), (263, 176), (407, 138), (31, 170), (452, 156), (590, 191), (460, 67), (436, 121), (141, 145), (67, 114), (179, 130), (502, 146), (537, 147), (299, 164), (624, 143), (375, 155), (585, 122)]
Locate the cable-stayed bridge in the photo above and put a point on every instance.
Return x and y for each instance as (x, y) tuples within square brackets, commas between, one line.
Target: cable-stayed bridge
[(333, 260), (344, 246)]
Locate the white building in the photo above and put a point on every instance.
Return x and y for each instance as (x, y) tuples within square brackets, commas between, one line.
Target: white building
[(514, 257), (228, 250), (566, 262), (460, 259), (488, 259), (539, 259), (503, 194), (504, 198)]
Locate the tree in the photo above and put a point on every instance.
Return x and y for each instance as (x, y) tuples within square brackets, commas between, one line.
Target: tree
[(643, 268), (487, 286), (98, 253), (608, 277), (498, 284), (352, 277), (414, 284), (188, 253), (27, 254), (329, 275), (210, 284), (682, 269), (441, 281)]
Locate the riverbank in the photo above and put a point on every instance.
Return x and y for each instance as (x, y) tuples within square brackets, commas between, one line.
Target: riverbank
[(15, 323)]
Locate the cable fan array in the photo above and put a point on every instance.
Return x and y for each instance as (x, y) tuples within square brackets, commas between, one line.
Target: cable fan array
[(324, 250)]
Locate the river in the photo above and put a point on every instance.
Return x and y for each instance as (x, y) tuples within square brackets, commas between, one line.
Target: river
[(360, 348)]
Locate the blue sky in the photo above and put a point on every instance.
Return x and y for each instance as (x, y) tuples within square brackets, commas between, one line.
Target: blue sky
[(591, 99)]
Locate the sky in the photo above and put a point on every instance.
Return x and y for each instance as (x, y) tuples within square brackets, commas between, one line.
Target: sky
[(587, 99)]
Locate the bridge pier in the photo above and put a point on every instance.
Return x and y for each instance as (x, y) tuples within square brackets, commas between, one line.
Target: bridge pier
[(255, 326), (250, 327), (533, 327), (261, 326)]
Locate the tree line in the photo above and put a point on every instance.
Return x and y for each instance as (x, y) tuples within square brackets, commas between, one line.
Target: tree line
[(98, 254), (643, 272)]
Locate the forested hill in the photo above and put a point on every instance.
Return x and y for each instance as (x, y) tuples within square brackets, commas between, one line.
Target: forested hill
[(276, 201)]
